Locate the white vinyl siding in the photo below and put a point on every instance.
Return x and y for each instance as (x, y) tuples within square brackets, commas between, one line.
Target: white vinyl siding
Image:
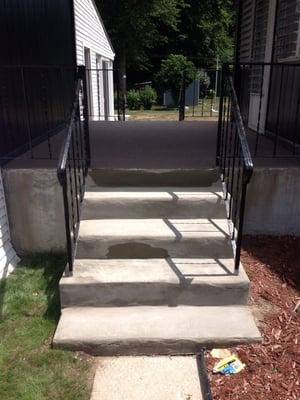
[(8, 257), (287, 45), (90, 34), (246, 33)]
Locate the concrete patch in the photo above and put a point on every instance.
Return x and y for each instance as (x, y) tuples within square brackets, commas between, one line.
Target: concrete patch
[(147, 378)]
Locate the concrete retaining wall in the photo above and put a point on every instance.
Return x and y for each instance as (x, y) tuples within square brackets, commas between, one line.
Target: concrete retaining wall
[(35, 209), (273, 202)]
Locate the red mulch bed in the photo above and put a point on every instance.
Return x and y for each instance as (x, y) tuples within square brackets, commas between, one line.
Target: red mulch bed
[(273, 367)]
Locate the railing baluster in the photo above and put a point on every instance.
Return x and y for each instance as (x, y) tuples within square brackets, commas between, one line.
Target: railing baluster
[(278, 112), (45, 97), (259, 110), (27, 118), (234, 160), (233, 172), (72, 170)]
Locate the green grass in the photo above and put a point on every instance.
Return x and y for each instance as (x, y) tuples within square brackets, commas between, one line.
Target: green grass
[(29, 311), (161, 113)]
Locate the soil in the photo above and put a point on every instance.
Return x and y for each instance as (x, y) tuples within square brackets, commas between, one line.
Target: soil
[(273, 367)]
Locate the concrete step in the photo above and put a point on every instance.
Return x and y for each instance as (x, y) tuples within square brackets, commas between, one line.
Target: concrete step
[(117, 283), (166, 202), (154, 238), (201, 177), (153, 330)]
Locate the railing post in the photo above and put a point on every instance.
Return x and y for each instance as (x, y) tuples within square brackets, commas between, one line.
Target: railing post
[(182, 98), (220, 123), (245, 181), (63, 181), (82, 75)]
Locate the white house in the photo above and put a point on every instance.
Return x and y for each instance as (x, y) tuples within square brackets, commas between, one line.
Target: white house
[(95, 51)]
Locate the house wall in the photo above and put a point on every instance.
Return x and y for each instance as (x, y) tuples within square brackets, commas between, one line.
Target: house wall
[(90, 33), (270, 31), (8, 257)]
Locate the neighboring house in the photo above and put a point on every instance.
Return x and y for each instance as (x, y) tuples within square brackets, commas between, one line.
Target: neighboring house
[(95, 51), (43, 42), (269, 37)]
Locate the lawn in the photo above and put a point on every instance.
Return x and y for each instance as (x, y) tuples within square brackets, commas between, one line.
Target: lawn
[(29, 311), (202, 111)]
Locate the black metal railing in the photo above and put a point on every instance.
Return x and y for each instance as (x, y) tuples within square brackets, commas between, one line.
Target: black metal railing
[(269, 98), (35, 103), (234, 160), (199, 96), (73, 165)]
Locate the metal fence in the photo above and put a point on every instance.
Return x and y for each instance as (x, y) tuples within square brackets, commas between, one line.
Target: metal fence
[(35, 104), (199, 97), (269, 97)]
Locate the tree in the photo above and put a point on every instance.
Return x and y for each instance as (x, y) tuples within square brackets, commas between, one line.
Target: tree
[(172, 71), (137, 25), (206, 30)]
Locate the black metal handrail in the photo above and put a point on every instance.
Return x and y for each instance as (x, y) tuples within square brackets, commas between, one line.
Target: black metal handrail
[(73, 165), (234, 159)]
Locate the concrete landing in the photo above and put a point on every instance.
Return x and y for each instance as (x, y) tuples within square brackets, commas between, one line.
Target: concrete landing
[(154, 238), (147, 378), (198, 282), (153, 330)]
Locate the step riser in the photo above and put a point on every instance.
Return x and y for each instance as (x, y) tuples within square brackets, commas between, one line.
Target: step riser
[(208, 208), (151, 347), (212, 247), (154, 330), (142, 177), (152, 294)]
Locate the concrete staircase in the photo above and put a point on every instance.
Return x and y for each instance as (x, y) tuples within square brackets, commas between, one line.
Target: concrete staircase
[(154, 274)]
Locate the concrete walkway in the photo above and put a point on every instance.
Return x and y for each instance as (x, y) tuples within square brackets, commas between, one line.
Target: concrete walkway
[(147, 378)]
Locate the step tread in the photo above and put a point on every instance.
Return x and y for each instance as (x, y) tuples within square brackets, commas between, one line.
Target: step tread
[(158, 329), (169, 271), (161, 193), (154, 228)]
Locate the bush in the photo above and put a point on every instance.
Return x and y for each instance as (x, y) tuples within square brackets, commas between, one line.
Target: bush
[(148, 97), (133, 100)]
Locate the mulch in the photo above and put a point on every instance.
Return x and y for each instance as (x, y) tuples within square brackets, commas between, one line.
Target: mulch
[(273, 367)]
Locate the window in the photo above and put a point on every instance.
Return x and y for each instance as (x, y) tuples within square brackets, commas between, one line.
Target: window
[(287, 40)]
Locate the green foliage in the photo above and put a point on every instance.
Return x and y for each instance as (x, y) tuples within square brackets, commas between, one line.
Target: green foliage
[(136, 26), (148, 97), (133, 100), (205, 30), (172, 71), (29, 311)]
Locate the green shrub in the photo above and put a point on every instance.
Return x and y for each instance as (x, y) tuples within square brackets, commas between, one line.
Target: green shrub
[(133, 100), (148, 97)]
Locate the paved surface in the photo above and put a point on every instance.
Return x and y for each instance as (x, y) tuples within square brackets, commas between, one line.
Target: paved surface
[(154, 144), (147, 378)]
